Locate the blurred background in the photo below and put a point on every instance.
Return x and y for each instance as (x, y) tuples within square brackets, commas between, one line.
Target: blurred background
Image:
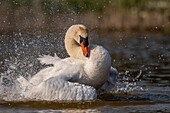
[(135, 32), (52, 16)]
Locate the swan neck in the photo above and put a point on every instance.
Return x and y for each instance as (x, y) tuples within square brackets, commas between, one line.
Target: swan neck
[(73, 48)]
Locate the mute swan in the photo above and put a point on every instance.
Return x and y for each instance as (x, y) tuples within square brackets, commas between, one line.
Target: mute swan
[(74, 78)]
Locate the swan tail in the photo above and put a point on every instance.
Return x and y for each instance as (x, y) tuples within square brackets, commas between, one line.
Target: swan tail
[(113, 75), (47, 59), (111, 81), (113, 72)]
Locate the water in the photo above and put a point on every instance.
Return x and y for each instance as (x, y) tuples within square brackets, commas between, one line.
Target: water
[(142, 53)]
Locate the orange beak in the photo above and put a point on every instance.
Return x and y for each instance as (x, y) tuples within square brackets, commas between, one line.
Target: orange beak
[(85, 50)]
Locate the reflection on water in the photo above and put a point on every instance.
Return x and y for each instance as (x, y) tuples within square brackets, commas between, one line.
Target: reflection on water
[(131, 55)]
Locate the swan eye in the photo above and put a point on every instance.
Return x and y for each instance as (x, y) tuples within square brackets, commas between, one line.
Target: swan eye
[(84, 40)]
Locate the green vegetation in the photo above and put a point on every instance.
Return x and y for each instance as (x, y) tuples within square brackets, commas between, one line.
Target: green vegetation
[(20, 3), (137, 4), (107, 15), (79, 6), (87, 5), (51, 6)]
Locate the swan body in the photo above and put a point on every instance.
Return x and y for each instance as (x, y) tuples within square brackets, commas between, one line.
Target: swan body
[(74, 78)]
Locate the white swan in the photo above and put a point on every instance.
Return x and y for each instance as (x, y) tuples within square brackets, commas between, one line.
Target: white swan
[(74, 78)]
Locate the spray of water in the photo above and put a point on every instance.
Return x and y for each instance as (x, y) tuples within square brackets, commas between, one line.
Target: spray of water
[(127, 82), (19, 55)]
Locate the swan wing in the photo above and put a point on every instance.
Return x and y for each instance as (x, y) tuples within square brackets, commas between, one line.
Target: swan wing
[(47, 59), (22, 83), (56, 88)]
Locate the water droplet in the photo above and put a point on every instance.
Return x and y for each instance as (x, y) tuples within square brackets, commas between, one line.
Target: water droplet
[(19, 34)]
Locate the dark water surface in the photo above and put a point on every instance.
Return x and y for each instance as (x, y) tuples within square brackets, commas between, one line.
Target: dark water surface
[(131, 55)]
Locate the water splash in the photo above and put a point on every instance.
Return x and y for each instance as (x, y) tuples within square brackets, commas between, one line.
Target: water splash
[(19, 58), (128, 82), (19, 55)]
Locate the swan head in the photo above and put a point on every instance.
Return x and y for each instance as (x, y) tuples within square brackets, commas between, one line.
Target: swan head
[(79, 34)]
